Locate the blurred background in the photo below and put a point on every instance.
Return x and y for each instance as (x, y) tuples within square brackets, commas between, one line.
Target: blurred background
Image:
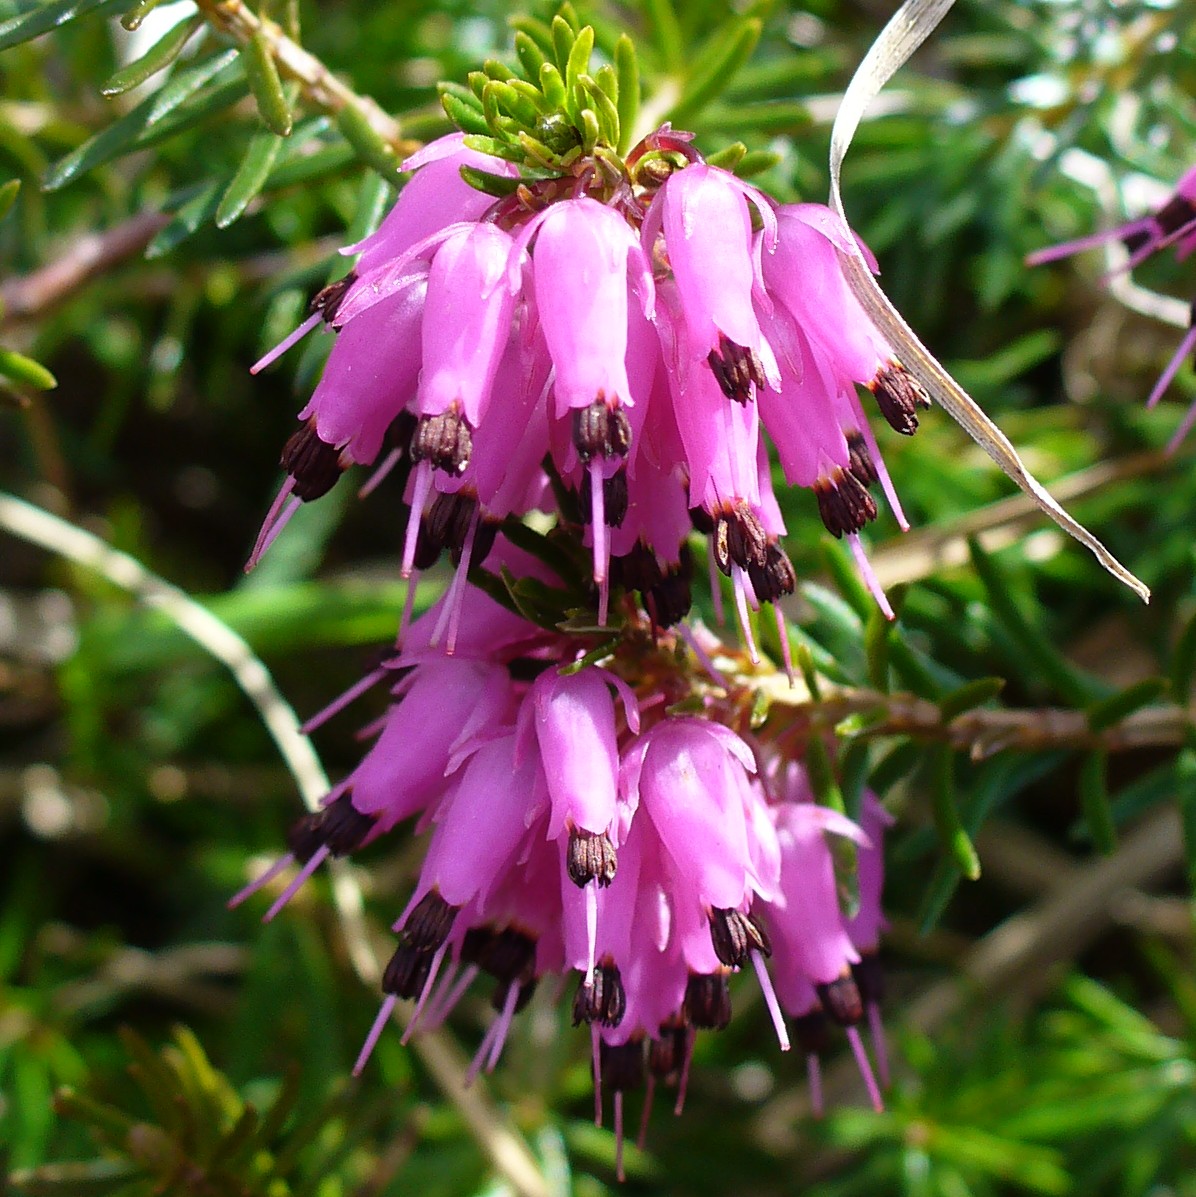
[(1042, 1018)]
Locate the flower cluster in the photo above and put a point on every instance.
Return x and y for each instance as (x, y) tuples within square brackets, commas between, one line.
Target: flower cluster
[(576, 826), (610, 344), (624, 345), (1172, 225)]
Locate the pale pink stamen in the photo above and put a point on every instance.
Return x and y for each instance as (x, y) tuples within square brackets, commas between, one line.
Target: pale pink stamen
[(371, 729), (504, 1025), (641, 1140), (387, 464), (591, 895), (419, 495), (814, 1078), (442, 1007), (1185, 347), (318, 857), (424, 993), (371, 1040), (869, 575), (686, 633), (1182, 431), (601, 538), (865, 1067), (452, 602), (259, 882), (770, 1000), (1065, 249), (287, 342), (337, 705), (783, 636), (463, 574), (739, 582), (270, 525), (876, 1029), (475, 1065)]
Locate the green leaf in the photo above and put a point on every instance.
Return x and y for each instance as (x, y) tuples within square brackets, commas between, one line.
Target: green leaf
[(627, 73), (373, 149), (197, 211), (531, 56), (28, 25), (250, 178), (8, 196), (1116, 707), (142, 9), (578, 63), (262, 73), (756, 162), (877, 637), (726, 52), (604, 108), (157, 58), (553, 86), (1183, 661), (666, 29), (969, 696), (536, 32), (24, 371), (130, 131), (563, 38), (496, 185), (953, 836), (465, 116), (729, 157), (1094, 793)]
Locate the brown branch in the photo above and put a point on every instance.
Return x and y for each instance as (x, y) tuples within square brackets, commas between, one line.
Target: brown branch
[(986, 731), (88, 256), (318, 84)]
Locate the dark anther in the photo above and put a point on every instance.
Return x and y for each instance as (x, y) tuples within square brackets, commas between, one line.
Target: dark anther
[(776, 577), (813, 1032), (591, 857), (340, 827), (328, 301), (735, 936), (899, 395), (527, 990), (614, 498), (739, 539), (476, 945), (1136, 240), (736, 368), (314, 464), (666, 1055), (637, 570), (484, 537), (844, 504), (622, 1065), (449, 518), (429, 924), (841, 1000), (304, 838), (708, 1001), (861, 463), (508, 955), (443, 440), (1192, 315), (702, 520), (870, 979), (601, 431), (604, 1001), (427, 548), (1174, 214), (407, 971), (672, 597)]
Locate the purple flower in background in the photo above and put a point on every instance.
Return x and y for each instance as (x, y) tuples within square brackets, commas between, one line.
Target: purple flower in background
[(1172, 225)]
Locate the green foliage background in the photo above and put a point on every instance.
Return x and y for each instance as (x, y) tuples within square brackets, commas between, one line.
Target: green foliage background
[(136, 786)]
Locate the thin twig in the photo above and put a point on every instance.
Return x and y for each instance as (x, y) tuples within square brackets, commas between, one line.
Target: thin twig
[(88, 256), (320, 87)]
